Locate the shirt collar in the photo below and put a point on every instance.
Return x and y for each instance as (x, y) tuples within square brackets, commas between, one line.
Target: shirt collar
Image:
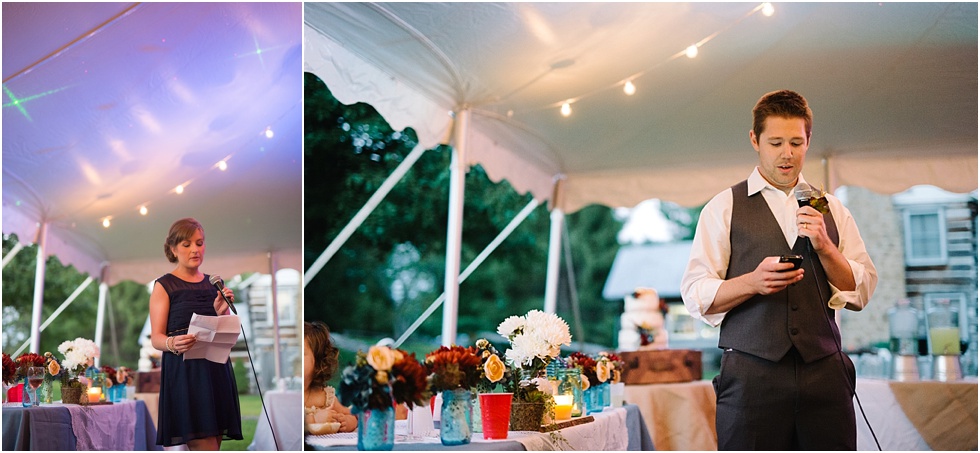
[(756, 183)]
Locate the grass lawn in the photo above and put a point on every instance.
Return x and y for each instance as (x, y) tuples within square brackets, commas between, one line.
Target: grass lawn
[(251, 407)]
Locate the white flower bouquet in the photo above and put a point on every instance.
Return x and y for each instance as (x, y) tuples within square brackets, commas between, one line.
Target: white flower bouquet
[(78, 353), (535, 339)]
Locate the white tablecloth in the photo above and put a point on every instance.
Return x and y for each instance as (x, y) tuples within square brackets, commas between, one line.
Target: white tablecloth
[(286, 411), (607, 433)]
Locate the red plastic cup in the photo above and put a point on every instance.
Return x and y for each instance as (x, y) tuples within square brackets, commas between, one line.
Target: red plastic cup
[(15, 393), (495, 410)]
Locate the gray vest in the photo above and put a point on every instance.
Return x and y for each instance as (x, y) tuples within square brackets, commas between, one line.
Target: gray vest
[(767, 326)]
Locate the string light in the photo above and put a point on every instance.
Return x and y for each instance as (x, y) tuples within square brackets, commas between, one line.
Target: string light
[(692, 51), (629, 88), (221, 165), (768, 9), (566, 109)]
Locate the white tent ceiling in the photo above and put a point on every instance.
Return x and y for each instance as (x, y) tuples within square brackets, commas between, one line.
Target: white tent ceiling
[(893, 87), (110, 106)]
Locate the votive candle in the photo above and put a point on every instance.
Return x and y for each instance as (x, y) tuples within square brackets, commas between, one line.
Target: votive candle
[(563, 407), (94, 394)]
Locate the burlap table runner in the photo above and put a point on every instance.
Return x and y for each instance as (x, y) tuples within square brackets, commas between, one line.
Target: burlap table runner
[(944, 413)]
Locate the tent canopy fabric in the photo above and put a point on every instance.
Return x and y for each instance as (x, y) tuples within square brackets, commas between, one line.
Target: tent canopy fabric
[(893, 88), (111, 106)]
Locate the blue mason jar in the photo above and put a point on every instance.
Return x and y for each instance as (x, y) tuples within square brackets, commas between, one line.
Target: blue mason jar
[(376, 429), (456, 426)]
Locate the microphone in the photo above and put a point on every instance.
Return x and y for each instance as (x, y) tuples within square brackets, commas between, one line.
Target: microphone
[(803, 194), (218, 283)]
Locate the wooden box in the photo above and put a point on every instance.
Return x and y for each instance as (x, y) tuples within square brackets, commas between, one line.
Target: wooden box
[(661, 366), (148, 381)]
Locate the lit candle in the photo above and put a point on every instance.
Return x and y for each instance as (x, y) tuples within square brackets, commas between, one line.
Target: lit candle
[(563, 407), (94, 394)]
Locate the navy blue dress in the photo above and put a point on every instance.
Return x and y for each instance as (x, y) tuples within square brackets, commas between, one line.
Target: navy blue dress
[(198, 398)]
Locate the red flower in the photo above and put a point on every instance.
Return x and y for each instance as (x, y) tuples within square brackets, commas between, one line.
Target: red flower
[(586, 364), (110, 373), (409, 385), (453, 368), (9, 369)]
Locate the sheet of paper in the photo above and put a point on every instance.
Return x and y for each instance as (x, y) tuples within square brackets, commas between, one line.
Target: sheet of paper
[(215, 337)]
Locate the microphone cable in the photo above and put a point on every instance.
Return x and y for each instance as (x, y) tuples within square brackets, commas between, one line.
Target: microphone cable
[(840, 351), (216, 281), (272, 428)]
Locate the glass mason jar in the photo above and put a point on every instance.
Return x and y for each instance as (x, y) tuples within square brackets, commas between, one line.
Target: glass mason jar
[(376, 429), (944, 329), (456, 426)]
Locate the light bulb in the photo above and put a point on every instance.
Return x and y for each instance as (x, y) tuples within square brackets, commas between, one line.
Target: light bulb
[(768, 9), (629, 88), (143, 210), (106, 222), (268, 132), (222, 165), (566, 109), (179, 189), (692, 51)]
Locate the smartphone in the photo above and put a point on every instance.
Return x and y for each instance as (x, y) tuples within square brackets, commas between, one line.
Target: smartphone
[(797, 260)]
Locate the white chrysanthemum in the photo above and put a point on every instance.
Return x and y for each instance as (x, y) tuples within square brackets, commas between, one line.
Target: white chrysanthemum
[(554, 332), (524, 349), (510, 325)]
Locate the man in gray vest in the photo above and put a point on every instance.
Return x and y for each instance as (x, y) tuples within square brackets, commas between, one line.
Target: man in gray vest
[(784, 382)]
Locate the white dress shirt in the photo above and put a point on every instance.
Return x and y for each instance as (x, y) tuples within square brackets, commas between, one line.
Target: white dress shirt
[(712, 248)]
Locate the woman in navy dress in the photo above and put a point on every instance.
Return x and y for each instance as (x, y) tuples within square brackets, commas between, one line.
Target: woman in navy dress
[(198, 398)]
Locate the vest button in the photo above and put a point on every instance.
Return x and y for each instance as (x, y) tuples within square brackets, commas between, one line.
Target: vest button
[(794, 331)]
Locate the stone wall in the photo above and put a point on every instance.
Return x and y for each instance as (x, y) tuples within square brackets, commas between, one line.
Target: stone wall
[(880, 226)]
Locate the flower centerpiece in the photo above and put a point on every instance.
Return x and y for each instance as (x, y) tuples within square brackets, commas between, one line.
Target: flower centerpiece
[(9, 369), (24, 363), (78, 353), (454, 371), (52, 371), (535, 339), (492, 368), (9, 374), (595, 374), (373, 385)]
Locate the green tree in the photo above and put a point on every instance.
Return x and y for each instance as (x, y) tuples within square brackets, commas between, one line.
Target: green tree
[(129, 303), (392, 268)]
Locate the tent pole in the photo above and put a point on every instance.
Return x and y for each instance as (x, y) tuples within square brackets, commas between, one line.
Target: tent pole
[(42, 233), (572, 287), (554, 261), (112, 328), (275, 320), (100, 317), (12, 253), (57, 311), (454, 229), (504, 234), (362, 214)]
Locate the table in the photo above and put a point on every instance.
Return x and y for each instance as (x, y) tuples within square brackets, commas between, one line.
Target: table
[(926, 415), (613, 429), (121, 426), (286, 412), (679, 416)]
